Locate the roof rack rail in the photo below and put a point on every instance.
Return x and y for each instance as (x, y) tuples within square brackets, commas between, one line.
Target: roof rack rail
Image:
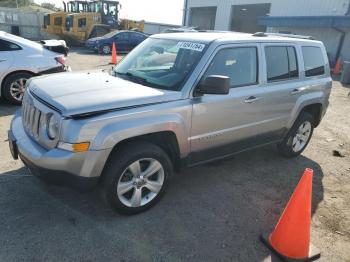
[(263, 34), (213, 31)]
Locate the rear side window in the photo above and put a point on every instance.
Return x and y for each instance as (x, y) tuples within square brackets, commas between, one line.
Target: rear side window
[(8, 46), (313, 61), (281, 63), (82, 22), (240, 64), (58, 21)]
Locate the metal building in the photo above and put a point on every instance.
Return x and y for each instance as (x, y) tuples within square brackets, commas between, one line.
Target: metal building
[(155, 28), (325, 20), (22, 22)]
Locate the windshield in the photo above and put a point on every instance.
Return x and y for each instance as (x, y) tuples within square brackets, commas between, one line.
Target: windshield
[(160, 63)]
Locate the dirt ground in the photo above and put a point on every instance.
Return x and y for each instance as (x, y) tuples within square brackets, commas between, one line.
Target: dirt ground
[(210, 213)]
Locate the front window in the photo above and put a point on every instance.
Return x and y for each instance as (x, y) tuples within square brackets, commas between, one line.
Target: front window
[(240, 64), (161, 63)]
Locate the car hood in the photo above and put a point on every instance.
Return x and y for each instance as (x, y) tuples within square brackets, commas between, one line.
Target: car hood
[(85, 93)]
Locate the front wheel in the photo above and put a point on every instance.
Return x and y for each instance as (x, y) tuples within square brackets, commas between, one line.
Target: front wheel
[(136, 177), (106, 49), (298, 137)]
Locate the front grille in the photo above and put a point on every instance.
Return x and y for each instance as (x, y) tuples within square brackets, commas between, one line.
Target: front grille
[(31, 117)]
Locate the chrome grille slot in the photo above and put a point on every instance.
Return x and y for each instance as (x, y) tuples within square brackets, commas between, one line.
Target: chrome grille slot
[(38, 122), (31, 117)]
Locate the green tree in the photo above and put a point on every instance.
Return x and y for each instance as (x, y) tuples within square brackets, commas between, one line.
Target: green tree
[(13, 3), (49, 6)]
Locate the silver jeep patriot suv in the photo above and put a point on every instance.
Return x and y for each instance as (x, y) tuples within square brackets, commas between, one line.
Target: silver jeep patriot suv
[(176, 100)]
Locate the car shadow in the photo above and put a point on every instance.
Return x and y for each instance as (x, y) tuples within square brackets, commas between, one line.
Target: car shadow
[(6, 108), (212, 212), (82, 51), (86, 51)]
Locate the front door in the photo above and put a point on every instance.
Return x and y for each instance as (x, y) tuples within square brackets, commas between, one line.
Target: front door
[(224, 124)]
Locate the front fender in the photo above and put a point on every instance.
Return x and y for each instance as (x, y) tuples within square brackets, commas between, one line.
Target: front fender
[(113, 133)]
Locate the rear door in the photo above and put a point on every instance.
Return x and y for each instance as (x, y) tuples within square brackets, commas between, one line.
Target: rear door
[(122, 41), (282, 84), (7, 51)]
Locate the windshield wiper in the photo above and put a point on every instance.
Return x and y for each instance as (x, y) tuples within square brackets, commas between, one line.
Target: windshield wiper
[(141, 80), (134, 78)]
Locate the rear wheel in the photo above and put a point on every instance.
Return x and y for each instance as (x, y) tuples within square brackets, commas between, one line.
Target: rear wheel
[(14, 87), (298, 137), (136, 177)]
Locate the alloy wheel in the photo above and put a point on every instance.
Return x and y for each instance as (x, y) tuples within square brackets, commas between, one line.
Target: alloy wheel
[(140, 182), (302, 136), (17, 89), (106, 49)]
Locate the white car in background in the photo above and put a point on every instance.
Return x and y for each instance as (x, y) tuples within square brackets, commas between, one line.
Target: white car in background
[(21, 59)]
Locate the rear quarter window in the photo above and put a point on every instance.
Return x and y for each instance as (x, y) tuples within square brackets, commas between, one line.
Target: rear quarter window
[(8, 46), (313, 61)]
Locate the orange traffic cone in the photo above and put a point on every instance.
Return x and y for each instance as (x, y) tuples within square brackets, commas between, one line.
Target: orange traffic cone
[(114, 54), (336, 69), (290, 239)]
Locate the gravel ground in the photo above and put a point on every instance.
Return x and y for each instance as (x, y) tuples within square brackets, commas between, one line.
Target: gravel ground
[(210, 213)]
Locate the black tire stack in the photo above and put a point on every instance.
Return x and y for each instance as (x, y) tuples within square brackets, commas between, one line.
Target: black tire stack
[(345, 76)]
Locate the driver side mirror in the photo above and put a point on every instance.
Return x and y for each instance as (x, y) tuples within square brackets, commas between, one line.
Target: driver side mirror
[(214, 85)]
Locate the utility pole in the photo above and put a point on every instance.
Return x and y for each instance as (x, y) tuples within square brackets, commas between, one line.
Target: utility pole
[(17, 3)]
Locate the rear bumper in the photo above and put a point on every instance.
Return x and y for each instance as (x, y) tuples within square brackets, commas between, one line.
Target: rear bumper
[(54, 70)]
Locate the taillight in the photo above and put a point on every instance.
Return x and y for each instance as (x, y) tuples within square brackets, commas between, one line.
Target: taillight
[(60, 59)]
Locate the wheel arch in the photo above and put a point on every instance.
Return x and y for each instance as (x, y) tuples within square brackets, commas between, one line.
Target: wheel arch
[(315, 110), (166, 140), (312, 103), (13, 73)]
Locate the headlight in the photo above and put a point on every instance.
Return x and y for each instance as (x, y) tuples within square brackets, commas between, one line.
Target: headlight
[(52, 126)]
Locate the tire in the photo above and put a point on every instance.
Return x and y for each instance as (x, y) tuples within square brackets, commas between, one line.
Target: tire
[(122, 168), (14, 87), (106, 49), (298, 137)]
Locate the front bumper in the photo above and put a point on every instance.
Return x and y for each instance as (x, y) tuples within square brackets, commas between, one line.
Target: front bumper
[(91, 46), (80, 171)]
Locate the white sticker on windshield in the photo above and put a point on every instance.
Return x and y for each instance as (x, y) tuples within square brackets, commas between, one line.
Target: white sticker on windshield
[(191, 46)]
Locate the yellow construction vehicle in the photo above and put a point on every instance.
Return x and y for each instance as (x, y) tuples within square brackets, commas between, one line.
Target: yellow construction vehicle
[(82, 20)]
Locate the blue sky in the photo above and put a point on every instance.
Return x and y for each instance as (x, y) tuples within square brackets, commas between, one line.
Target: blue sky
[(163, 11)]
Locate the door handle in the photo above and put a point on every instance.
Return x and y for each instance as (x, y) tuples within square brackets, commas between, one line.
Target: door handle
[(2, 60), (296, 91), (251, 99)]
